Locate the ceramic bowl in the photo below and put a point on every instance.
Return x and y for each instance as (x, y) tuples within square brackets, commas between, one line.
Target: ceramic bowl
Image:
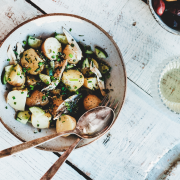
[(45, 26), (160, 21)]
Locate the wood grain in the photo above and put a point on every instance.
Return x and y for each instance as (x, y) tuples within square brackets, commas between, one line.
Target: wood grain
[(55, 167), (142, 41)]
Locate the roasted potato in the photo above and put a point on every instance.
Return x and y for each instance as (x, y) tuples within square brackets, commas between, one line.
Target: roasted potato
[(70, 54), (65, 123), (51, 47), (32, 80), (37, 98), (16, 76), (91, 83), (32, 62), (73, 79), (91, 101), (56, 103)]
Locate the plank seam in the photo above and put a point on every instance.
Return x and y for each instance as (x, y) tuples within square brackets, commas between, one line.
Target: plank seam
[(35, 6), (74, 167)]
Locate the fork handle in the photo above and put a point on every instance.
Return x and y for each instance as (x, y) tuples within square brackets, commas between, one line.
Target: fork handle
[(32, 143), (54, 168)]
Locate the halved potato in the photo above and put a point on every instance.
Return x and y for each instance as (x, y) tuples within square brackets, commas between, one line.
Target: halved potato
[(65, 123), (37, 98), (73, 79), (71, 54), (42, 121), (17, 99), (91, 83), (51, 47), (91, 101), (32, 62), (16, 76)]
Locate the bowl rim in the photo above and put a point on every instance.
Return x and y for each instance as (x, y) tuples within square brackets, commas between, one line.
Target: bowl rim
[(160, 22), (119, 53)]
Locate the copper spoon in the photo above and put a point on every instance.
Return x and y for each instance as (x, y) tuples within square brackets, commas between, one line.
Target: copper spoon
[(102, 113)]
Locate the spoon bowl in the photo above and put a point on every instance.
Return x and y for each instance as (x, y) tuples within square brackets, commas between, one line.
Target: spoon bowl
[(94, 122)]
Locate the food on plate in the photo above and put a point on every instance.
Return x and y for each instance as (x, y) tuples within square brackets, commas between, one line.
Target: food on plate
[(65, 123), (91, 101), (159, 6), (169, 10), (53, 81)]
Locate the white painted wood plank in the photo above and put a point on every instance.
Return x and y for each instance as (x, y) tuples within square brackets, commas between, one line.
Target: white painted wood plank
[(140, 136), (14, 12), (143, 46), (30, 164), (33, 163)]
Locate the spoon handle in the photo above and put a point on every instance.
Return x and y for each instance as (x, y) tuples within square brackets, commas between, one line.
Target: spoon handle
[(32, 143), (54, 168)]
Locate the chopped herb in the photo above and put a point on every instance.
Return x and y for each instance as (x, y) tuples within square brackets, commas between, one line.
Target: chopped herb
[(77, 92), (74, 60), (63, 121), (37, 125), (18, 73), (24, 42), (62, 114), (26, 54), (89, 81), (73, 79), (27, 60), (13, 97), (40, 63), (8, 59), (55, 34), (22, 92), (43, 98), (53, 52), (58, 59), (70, 55), (81, 35), (21, 77), (75, 87), (15, 53), (9, 79), (72, 45), (28, 69), (15, 103), (59, 119), (80, 76), (70, 29), (53, 56), (6, 107), (32, 87), (27, 95), (24, 69)]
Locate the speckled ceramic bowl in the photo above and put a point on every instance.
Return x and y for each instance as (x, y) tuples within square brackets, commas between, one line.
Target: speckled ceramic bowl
[(159, 20), (45, 26)]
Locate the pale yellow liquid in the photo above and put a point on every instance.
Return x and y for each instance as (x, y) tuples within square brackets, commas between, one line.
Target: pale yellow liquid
[(170, 85)]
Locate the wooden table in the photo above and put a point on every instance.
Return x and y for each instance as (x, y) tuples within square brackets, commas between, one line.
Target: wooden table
[(142, 134)]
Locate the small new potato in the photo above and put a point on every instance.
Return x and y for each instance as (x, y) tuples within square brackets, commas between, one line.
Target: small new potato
[(32, 62), (56, 103), (51, 47), (65, 123), (16, 76), (71, 54), (91, 83), (91, 101), (37, 98), (73, 79)]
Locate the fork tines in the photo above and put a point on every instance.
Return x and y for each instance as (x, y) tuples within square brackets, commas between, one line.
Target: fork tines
[(107, 102)]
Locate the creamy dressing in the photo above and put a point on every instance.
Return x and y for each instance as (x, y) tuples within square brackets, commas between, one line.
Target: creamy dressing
[(170, 85)]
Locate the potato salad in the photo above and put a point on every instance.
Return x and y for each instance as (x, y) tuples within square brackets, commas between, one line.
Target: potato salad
[(42, 75)]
